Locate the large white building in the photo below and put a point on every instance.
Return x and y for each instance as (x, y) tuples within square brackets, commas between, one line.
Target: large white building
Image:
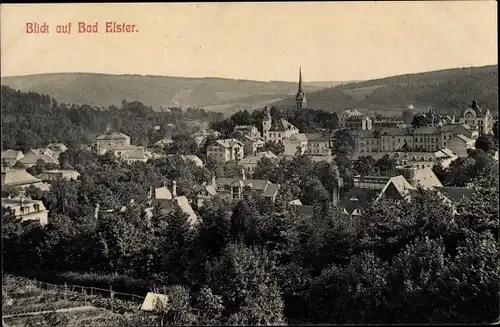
[(477, 118), (277, 130)]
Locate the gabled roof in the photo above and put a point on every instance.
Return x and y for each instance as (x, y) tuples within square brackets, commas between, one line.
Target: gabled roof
[(464, 138), (281, 125), (363, 197), (151, 299), (253, 139), (257, 157), (270, 191), (31, 158), (427, 179), (17, 177), (228, 143), (301, 137), (208, 188), (11, 154), (162, 193), (185, 207)]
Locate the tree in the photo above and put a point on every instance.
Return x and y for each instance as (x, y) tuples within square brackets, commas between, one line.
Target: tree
[(210, 306), (245, 280), (274, 147), (364, 166), (182, 144), (486, 143), (343, 143), (265, 169)]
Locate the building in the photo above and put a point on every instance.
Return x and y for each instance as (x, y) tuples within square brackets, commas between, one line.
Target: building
[(110, 140), (425, 139), (119, 145), (318, 144), (249, 163), (57, 147), (359, 123), (202, 135), (167, 201), (354, 120), (390, 123), (163, 142), (300, 98), (27, 209), (277, 130), (225, 150), (32, 157), (461, 145), (52, 175), (442, 157), (295, 144), (237, 189), (369, 189), (14, 177), (10, 157), (254, 142), (247, 130), (477, 118)]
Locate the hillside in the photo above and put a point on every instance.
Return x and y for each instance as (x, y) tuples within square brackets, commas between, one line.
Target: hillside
[(218, 94), (445, 90)]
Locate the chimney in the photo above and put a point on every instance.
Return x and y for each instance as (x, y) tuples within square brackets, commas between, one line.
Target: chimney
[(214, 184), (174, 189), (243, 177), (150, 196)]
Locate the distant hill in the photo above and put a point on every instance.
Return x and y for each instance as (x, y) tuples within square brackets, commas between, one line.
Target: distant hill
[(218, 94), (448, 91)]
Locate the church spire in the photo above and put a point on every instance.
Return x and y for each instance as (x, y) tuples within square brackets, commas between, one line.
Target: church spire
[(300, 79)]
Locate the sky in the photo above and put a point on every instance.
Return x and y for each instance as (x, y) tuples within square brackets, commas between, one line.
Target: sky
[(331, 41)]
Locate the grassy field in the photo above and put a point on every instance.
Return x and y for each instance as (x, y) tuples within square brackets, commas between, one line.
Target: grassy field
[(25, 303)]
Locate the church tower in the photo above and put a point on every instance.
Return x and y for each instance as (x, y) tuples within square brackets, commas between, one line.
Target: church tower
[(266, 122), (300, 98)]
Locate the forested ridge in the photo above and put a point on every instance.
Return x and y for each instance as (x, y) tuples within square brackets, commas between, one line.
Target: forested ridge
[(32, 120), (448, 91)]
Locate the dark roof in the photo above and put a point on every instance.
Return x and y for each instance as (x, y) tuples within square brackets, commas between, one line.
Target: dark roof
[(364, 198)]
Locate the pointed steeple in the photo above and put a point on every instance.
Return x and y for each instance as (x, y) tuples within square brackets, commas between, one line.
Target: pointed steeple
[(300, 79)]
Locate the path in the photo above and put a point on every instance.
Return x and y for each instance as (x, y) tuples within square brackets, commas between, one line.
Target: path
[(81, 308)]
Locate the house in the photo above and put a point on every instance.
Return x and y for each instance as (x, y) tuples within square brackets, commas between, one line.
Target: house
[(204, 192), (31, 158), (477, 118), (461, 145), (109, 140), (369, 189), (254, 142), (168, 200), (163, 142), (295, 143), (391, 123), (442, 157), (354, 120), (14, 177), (247, 130), (57, 148), (202, 135), (277, 130), (249, 163), (51, 175), (225, 150), (318, 144), (26, 209), (237, 189), (11, 157)]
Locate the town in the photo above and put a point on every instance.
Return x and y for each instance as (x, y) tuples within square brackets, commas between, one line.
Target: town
[(321, 163), (359, 169)]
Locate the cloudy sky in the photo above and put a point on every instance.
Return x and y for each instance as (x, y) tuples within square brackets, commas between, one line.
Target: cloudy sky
[(262, 41)]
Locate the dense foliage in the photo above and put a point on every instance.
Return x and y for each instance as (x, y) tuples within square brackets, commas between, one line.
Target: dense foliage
[(32, 120)]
